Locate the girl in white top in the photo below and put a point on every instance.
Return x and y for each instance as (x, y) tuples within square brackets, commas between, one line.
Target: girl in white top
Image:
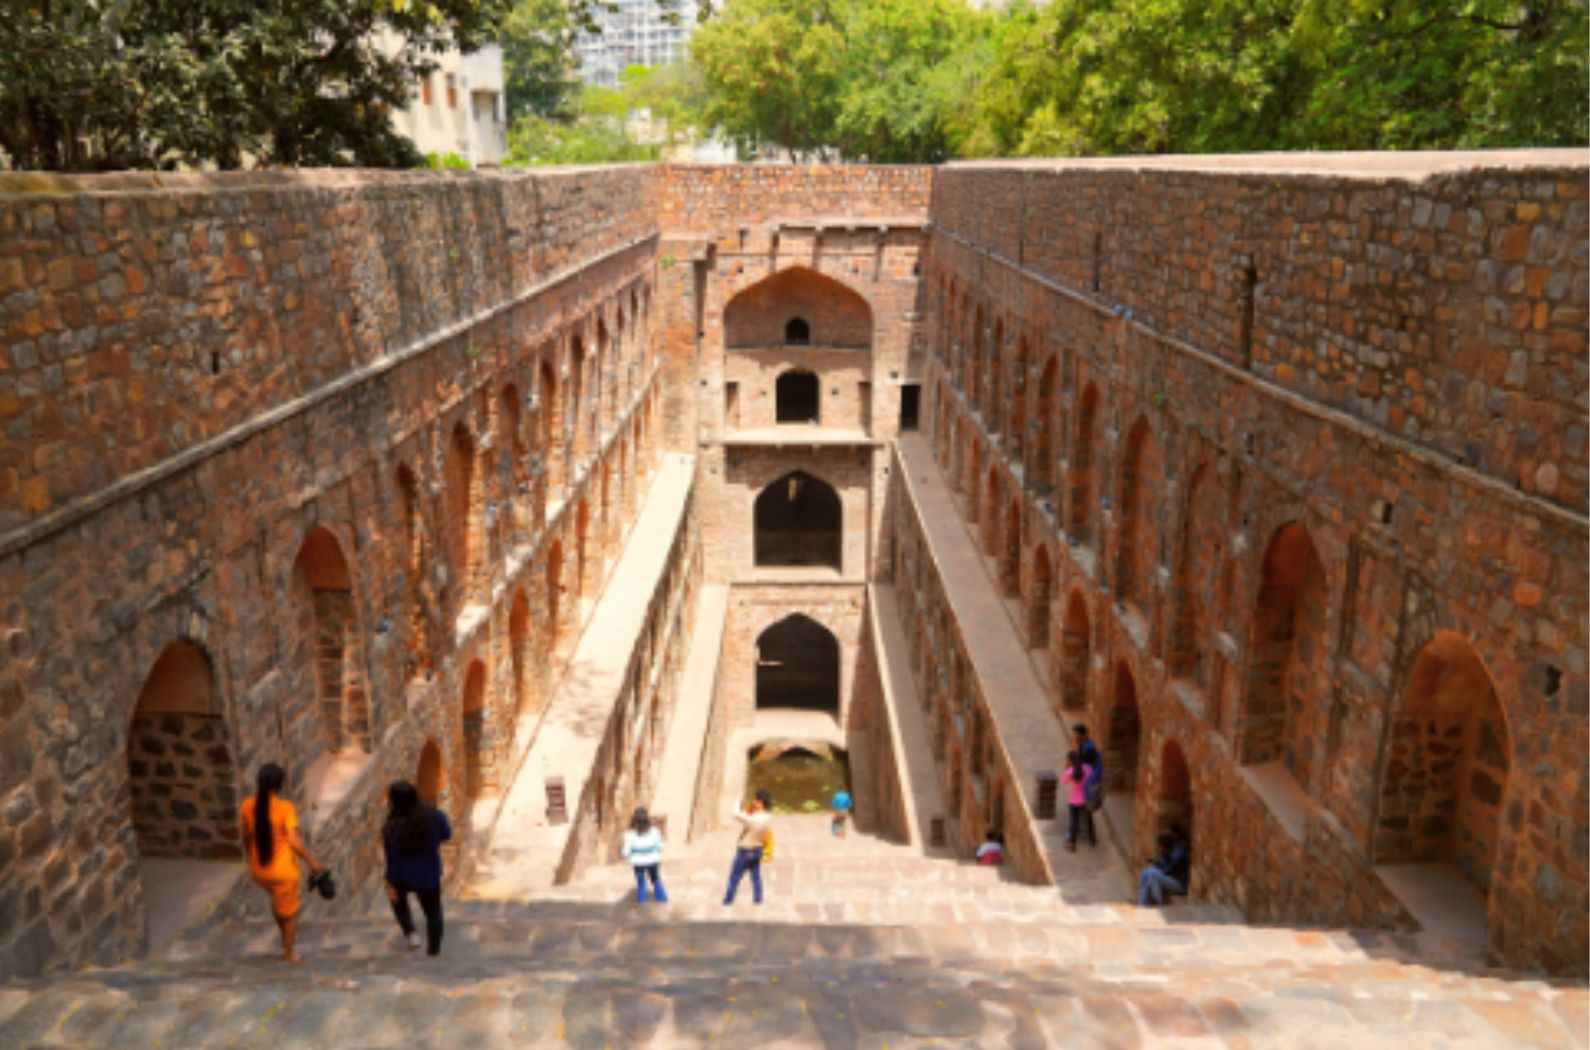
[(643, 846)]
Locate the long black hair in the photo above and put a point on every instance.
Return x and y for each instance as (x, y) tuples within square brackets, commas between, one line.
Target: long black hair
[(408, 820), (271, 779)]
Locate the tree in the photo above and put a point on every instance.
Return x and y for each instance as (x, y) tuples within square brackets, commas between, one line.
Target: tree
[(1199, 76), (538, 59), (105, 84), (773, 73), (876, 80)]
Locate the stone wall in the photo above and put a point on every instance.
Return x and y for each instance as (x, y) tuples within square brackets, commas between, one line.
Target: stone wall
[(183, 796), (1246, 443), (364, 327), (720, 199)]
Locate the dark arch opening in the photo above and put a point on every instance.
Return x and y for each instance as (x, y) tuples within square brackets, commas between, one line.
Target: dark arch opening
[(798, 521), (428, 777), (798, 397), (797, 665), (797, 332)]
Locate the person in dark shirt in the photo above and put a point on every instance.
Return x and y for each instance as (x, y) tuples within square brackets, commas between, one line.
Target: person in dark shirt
[(413, 835), (1166, 873)]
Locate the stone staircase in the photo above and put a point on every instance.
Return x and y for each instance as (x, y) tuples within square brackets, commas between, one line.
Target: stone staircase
[(860, 943)]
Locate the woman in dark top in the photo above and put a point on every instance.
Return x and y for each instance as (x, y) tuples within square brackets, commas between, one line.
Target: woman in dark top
[(413, 835)]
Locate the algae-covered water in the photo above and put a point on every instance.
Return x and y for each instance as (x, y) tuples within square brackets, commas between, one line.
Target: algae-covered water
[(799, 780)]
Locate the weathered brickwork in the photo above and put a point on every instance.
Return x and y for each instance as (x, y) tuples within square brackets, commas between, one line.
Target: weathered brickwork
[(1296, 461), (1279, 465), (377, 524)]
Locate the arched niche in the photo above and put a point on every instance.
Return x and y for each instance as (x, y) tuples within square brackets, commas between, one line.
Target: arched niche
[(797, 396), (797, 666), (428, 776), (479, 769), (180, 773), (836, 316), (329, 625), (798, 521), (1285, 692), (1447, 764)]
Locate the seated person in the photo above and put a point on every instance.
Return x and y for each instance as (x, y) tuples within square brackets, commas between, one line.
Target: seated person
[(1166, 873), (992, 852)]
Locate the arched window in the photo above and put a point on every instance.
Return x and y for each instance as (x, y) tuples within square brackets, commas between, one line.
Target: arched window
[(797, 665), (797, 332), (329, 618), (798, 522), (797, 396)]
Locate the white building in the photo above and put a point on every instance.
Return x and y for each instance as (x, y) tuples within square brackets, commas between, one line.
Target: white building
[(635, 33), (459, 108)]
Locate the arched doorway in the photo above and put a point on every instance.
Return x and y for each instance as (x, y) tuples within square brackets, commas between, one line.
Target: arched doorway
[(1140, 494), (330, 639), (479, 769), (797, 397), (418, 595), (797, 665), (518, 652), (1038, 599), (1286, 658), (1446, 768), (1010, 556), (428, 780), (550, 410), (798, 521), (1084, 469), (1045, 458), (1174, 807), (179, 762), (1125, 735), (463, 502), (555, 592), (182, 792), (1075, 654)]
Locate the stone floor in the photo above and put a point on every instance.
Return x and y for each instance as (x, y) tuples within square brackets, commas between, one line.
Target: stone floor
[(860, 943)]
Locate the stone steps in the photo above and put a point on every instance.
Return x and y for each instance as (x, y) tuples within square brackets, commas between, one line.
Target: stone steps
[(641, 982)]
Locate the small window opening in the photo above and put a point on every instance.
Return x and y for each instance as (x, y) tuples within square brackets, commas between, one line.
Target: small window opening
[(910, 405), (797, 332), (797, 396)]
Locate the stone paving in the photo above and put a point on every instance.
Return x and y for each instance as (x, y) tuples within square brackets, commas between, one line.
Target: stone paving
[(860, 944)]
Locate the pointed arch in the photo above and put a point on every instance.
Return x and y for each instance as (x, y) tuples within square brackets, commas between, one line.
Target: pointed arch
[(763, 315), (1141, 489), (1075, 654), (519, 653), (1445, 774), (1125, 730), (1286, 685), (429, 779), (798, 520), (180, 771), (1038, 598), (797, 666), (461, 479), (332, 640), (479, 767), (1083, 512), (1046, 455)]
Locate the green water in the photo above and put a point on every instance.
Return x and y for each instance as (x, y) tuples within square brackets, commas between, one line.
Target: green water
[(799, 781)]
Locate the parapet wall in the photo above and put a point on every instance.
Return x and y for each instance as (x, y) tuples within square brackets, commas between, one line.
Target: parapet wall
[(723, 198), (143, 315), (1439, 297)]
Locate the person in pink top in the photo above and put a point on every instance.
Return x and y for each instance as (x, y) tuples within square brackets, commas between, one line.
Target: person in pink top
[(1076, 776)]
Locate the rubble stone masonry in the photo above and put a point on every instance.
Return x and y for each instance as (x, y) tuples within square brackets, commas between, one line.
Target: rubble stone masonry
[(1280, 462)]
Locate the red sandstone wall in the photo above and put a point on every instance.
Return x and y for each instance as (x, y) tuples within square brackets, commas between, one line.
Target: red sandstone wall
[(142, 315), (312, 287), (1435, 460), (722, 198), (1449, 310)]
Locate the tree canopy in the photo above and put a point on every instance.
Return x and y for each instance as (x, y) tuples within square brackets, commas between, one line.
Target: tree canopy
[(104, 84)]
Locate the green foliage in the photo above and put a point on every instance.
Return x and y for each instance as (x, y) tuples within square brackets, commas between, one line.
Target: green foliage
[(538, 59), (446, 162), (537, 142), (164, 83), (1194, 76), (881, 80)]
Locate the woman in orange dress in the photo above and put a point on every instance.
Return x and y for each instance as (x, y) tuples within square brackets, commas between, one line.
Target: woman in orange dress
[(273, 851)]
